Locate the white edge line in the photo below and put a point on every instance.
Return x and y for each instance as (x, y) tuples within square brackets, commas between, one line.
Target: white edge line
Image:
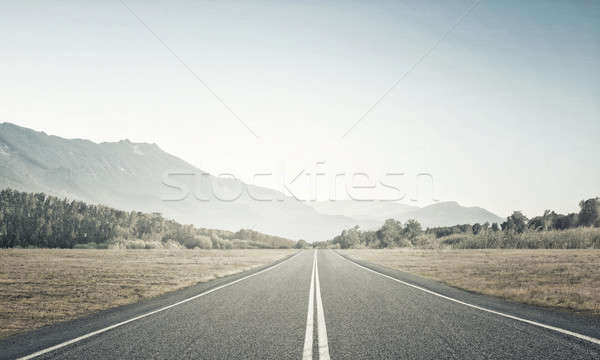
[(308, 336), (100, 331), (531, 322), (321, 328)]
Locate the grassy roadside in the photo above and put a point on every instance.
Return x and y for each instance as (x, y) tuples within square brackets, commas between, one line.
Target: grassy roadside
[(44, 286), (567, 279)]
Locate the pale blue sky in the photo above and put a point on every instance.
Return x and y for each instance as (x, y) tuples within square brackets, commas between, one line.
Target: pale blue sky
[(505, 113)]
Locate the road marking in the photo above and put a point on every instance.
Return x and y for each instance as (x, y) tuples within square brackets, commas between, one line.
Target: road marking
[(321, 328), (531, 322), (93, 333), (308, 336), (315, 291)]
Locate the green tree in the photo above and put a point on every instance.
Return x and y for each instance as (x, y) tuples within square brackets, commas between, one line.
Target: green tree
[(516, 222), (589, 213), (390, 233), (412, 229), (301, 244), (476, 228), (350, 238)]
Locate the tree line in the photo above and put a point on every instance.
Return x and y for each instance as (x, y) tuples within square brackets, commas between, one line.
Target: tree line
[(517, 230), (588, 216), (39, 220), (391, 234)]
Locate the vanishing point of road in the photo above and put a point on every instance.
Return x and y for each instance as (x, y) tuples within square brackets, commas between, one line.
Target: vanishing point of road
[(317, 305)]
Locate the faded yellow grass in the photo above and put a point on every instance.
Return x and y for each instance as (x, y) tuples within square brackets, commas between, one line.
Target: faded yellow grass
[(568, 279), (44, 286)]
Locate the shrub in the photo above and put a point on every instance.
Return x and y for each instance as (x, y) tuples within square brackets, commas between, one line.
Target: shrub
[(135, 244), (427, 241)]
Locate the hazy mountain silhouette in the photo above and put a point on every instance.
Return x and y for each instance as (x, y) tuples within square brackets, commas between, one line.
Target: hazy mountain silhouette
[(439, 214), (129, 176), (367, 210)]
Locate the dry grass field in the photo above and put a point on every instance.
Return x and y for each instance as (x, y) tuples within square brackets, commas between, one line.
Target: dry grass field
[(568, 279), (43, 286)]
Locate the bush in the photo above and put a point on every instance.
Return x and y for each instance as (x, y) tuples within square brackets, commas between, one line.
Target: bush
[(427, 241), (454, 239), (198, 241), (149, 245), (135, 244)]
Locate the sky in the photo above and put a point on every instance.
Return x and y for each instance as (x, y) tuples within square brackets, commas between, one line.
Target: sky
[(500, 106)]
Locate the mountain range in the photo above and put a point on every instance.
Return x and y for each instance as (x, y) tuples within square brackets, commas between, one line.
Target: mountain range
[(131, 176), (446, 213)]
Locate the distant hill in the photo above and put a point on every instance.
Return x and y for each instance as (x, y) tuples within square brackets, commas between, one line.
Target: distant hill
[(450, 213), (374, 210), (128, 176), (439, 214)]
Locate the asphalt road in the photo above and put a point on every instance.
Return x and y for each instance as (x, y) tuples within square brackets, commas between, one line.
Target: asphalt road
[(317, 307)]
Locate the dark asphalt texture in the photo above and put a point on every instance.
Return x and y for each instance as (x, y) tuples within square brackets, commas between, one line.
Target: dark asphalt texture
[(367, 316)]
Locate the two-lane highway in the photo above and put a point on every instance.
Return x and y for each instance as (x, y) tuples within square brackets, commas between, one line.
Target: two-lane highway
[(316, 305)]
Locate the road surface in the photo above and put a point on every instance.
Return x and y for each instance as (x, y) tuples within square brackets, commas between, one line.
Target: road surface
[(317, 305)]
